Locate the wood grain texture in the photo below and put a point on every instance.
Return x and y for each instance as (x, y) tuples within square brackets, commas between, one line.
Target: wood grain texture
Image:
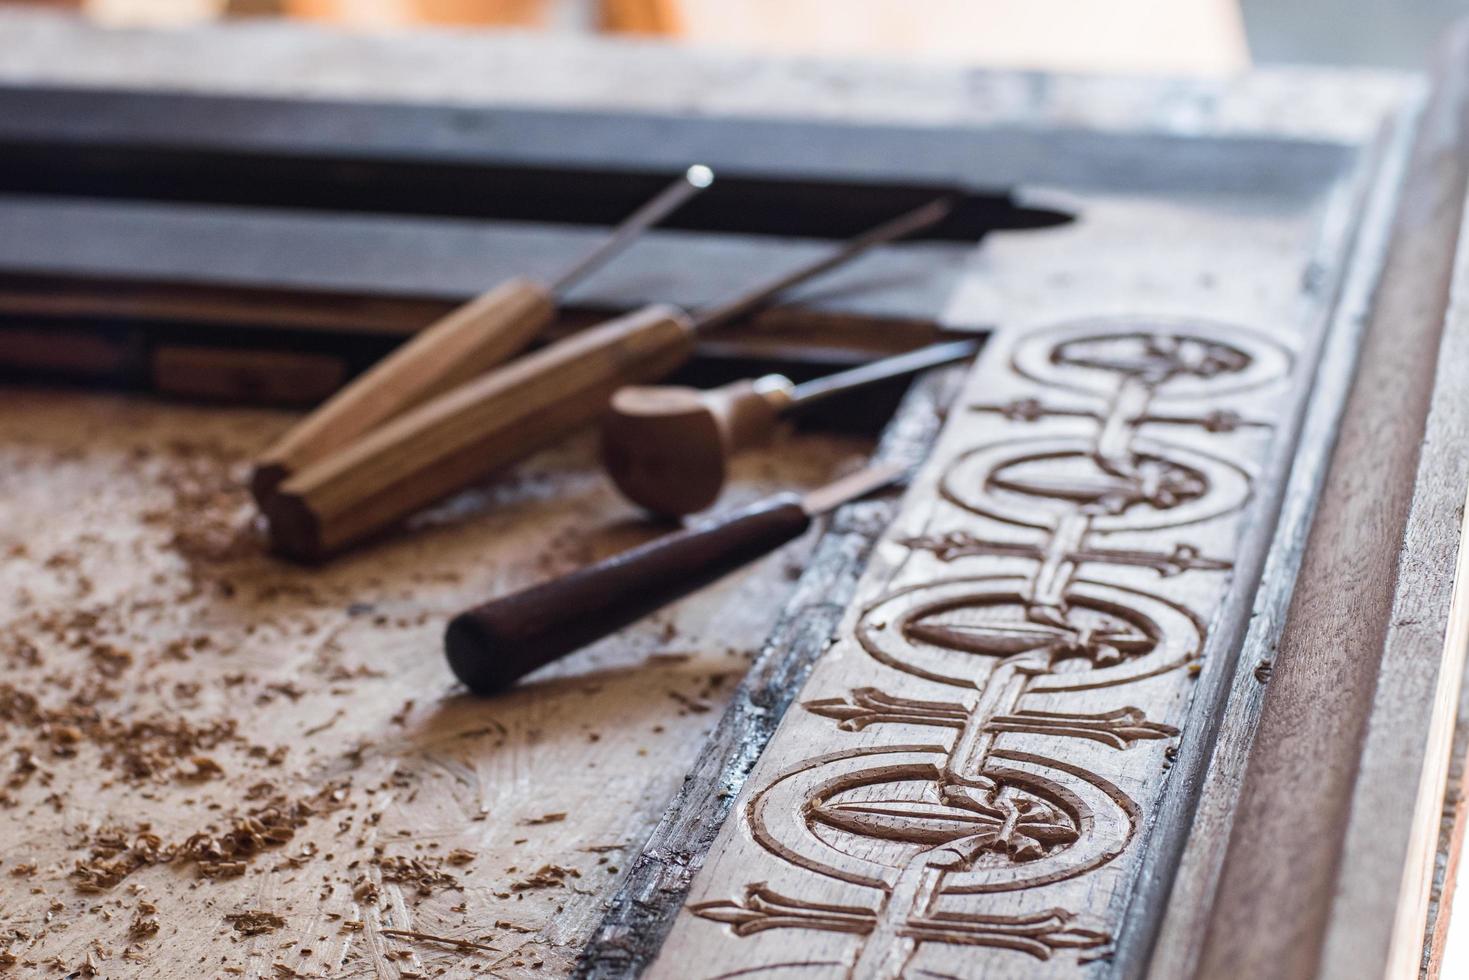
[(1318, 705), (235, 376), (497, 642), (667, 446), (1400, 784), (643, 908), (483, 333), (470, 432), (896, 822), (1167, 946), (1172, 250), (158, 641), (1449, 858)]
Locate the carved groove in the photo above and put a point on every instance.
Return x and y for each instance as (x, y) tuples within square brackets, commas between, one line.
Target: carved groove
[(925, 826)]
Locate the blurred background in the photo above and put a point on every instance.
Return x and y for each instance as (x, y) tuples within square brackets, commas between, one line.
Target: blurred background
[(1193, 37)]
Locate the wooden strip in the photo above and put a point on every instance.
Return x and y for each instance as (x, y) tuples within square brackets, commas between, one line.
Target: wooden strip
[(1035, 414), (206, 306), (1167, 944), (897, 821), (906, 153), (1450, 851), (258, 377), (1400, 785), (71, 352), (233, 265), (1303, 764)]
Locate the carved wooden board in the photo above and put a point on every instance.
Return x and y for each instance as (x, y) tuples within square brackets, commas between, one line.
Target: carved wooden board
[(969, 764), (966, 785)]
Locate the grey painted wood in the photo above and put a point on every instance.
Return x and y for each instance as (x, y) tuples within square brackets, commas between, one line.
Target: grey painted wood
[(478, 68), (1326, 307)]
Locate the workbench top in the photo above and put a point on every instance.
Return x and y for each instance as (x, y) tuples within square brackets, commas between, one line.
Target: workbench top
[(195, 732), (218, 764)]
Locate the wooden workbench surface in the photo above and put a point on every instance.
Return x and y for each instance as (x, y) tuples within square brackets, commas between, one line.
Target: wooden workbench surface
[(195, 732)]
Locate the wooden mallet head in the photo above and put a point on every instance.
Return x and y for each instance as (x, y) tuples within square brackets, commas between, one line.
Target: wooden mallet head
[(668, 447)]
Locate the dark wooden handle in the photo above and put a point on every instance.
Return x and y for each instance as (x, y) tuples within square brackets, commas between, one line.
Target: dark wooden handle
[(491, 646)]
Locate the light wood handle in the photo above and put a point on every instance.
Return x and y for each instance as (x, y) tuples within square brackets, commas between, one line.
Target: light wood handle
[(472, 431), (473, 338), (492, 646)]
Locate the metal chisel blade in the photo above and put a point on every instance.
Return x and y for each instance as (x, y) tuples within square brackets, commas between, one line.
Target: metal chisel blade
[(849, 488)]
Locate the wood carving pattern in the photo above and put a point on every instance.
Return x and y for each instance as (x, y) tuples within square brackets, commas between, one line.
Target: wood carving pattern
[(936, 826)]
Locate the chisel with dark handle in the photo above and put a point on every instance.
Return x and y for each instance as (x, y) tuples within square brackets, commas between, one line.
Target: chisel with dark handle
[(492, 646)]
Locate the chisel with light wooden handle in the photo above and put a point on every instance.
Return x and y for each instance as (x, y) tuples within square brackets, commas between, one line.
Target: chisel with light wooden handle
[(492, 646), (509, 413), (485, 332)]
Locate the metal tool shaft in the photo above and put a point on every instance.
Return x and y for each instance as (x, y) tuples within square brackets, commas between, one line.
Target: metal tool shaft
[(889, 367), (900, 227), (671, 198)]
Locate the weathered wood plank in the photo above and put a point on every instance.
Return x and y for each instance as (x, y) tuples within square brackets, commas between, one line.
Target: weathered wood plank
[(1219, 249), (1400, 787), (140, 614), (1303, 772), (1166, 946)]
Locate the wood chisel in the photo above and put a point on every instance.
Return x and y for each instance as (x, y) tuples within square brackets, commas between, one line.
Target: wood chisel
[(667, 447), (507, 414), (473, 338), (492, 646)]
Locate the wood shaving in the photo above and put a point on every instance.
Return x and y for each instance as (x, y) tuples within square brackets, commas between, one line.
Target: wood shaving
[(425, 875), (145, 921), (547, 818), (225, 855), (546, 876), (215, 854), (140, 750), (255, 922), (426, 937)]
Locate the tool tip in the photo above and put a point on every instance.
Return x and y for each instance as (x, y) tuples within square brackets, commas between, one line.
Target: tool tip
[(699, 176)]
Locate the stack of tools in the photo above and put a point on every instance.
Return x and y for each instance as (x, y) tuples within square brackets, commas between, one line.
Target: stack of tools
[(666, 448), (438, 414)]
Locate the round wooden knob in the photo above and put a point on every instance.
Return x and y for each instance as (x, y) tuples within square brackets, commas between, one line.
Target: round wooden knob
[(667, 447)]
